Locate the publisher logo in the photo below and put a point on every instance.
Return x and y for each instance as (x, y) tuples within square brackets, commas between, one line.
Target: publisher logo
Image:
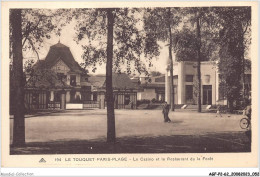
[(42, 160)]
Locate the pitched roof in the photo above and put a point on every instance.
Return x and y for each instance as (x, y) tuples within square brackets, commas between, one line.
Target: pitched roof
[(40, 64), (159, 79), (60, 52), (152, 85), (97, 81), (46, 79), (122, 81)]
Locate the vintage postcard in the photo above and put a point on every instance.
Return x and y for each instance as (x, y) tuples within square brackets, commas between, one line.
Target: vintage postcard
[(129, 84)]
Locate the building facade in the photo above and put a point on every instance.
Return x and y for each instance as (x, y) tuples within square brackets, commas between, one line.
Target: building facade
[(186, 83), (58, 82), (151, 88), (124, 91)]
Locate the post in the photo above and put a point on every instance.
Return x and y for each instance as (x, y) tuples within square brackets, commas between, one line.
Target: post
[(63, 100)]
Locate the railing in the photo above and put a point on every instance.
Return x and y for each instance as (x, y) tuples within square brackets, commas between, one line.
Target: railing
[(54, 105), (91, 104)]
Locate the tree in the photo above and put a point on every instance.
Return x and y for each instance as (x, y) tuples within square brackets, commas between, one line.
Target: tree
[(19, 126), (185, 42), (159, 24), (37, 25), (196, 40), (124, 46), (28, 29), (234, 38), (111, 134), (198, 35)]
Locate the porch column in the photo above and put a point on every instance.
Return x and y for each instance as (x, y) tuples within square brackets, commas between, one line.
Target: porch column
[(63, 101), (102, 101), (67, 96), (167, 87), (91, 96), (68, 79), (52, 96)]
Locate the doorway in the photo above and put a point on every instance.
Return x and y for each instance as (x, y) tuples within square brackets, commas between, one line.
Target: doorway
[(207, 94)]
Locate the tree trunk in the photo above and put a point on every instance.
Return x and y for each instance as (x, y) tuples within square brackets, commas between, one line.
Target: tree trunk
[(243, 77), (111, 133), (171, 67), (242, 62), (198, 63), (19, 125), (243, 70), (230, 105)]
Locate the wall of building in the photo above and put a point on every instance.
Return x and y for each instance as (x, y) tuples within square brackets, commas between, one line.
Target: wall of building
[(208, 77), (60, 67), (67, 96), (139, 95), (147, 94)]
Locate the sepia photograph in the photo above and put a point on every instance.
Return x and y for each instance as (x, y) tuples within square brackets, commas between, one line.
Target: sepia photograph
[(130, 80)]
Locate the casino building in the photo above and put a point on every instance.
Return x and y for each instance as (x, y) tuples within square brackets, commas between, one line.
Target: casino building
[(185, 83), (58, 82)]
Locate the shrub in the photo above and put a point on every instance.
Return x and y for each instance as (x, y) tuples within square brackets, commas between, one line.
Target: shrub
[(144, 101)]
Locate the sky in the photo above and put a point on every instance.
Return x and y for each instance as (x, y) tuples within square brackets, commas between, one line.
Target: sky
[(67, 38)]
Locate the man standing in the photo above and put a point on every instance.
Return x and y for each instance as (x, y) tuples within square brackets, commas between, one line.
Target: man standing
[(165, 112)]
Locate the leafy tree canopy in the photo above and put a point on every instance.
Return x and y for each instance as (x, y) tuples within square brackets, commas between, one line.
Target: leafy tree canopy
[(129, 38), (38, 25)]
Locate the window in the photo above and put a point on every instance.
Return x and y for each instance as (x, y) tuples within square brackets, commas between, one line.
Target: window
[(73, 80), (61, 76), (189, 78)]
